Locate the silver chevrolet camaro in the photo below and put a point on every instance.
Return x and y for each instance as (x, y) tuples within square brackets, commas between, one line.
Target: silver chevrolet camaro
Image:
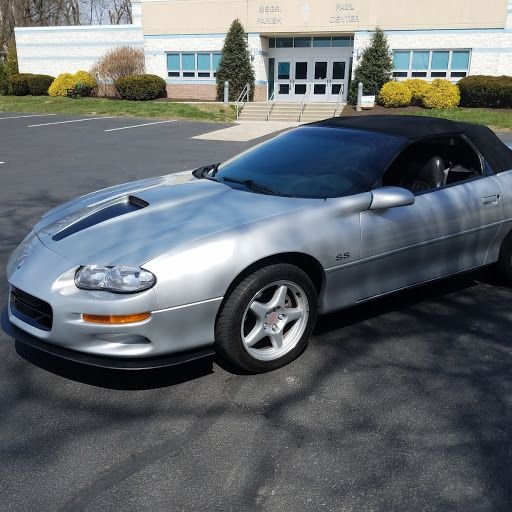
[(239, 258)]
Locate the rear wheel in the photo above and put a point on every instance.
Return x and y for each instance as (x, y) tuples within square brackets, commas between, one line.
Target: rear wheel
[(267, 319)]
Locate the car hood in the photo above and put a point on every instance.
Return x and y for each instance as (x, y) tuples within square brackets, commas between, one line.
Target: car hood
[(134, 223)]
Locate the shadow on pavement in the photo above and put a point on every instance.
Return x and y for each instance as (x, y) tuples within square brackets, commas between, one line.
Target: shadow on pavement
[(116, 379)]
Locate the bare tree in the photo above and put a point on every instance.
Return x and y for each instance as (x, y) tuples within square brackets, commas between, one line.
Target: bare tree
[(120, 12)]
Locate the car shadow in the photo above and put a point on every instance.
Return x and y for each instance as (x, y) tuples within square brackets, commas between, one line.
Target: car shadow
[(405, 299), (171, 376), (117, 379)]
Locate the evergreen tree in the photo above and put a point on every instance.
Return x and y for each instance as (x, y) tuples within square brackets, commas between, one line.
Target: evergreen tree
[(375, 67), (11, 61), (235, 64), (8, 68)]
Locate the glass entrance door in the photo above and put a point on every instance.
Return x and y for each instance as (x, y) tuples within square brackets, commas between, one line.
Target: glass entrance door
[(329, 80), (338, 80), (300, 80), (320, 80), (283, 80), (323, 79), (292, 79)]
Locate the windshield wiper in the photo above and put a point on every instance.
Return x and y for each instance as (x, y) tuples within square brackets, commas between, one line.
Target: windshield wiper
[(208, 171), (251, 184)]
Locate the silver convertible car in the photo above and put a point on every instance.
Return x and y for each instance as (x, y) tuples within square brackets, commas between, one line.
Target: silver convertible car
[(239, 258)]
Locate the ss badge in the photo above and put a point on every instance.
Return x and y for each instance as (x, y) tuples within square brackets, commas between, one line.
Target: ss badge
[(342, 256)]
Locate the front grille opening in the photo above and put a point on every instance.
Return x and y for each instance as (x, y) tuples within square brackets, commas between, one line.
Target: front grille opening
[(31, 310)]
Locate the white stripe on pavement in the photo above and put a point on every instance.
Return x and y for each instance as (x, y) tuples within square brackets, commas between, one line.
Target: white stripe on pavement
[(138, 125), (31, 115), (72, 121)]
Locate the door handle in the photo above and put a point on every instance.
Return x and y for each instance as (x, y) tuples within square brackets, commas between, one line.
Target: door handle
[(490, 200)]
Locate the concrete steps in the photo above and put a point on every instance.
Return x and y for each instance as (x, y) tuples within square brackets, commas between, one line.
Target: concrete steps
[(285, 112), (254, 112), (318, 111), (289, 112)]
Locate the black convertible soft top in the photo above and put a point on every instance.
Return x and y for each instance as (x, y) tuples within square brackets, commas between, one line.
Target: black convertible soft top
[(497, 154)]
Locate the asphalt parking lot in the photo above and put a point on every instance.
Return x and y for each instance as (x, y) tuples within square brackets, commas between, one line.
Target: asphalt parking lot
[(404, 404)]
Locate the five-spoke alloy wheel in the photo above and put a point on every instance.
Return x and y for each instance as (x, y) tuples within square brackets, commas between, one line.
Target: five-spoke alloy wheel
[(267, 319)]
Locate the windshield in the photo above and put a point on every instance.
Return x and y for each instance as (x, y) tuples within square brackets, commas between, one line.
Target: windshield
[(313, 162)]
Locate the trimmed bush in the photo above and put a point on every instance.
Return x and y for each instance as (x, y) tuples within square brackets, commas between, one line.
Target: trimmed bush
[(38, 85), (442, 94), (486, 91), (395, 94), (19, 84), (141, 87), (418, 88)]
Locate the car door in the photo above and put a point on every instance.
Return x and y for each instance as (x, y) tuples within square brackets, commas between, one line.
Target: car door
[(446, 230)]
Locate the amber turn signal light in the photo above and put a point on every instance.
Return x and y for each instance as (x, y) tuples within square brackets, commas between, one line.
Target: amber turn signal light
[(115, 319)]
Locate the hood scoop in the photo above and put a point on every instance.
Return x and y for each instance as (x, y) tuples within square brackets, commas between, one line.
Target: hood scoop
[(126, 205)]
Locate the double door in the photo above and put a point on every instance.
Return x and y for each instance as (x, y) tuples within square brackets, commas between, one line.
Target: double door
[(322, 79)]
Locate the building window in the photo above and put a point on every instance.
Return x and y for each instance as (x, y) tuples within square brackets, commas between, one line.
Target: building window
[(431, 64), (193, 64), (308, 42)]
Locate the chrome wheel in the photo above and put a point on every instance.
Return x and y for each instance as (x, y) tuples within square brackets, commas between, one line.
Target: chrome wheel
[(275, 320)]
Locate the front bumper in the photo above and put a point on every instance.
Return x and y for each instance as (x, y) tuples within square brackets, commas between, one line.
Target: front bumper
[(167, 331), (110, 363)]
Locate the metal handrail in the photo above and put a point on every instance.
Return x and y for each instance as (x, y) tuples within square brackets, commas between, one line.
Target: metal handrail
[(242, 99), (304, 102), (338, 99), (270, 104)]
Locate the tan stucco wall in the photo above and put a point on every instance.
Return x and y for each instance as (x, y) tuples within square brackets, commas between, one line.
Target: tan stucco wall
[(314, 16)]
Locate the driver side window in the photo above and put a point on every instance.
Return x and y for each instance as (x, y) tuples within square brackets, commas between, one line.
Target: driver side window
[(434, 163)]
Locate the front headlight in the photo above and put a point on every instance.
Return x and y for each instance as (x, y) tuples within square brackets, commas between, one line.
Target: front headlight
[(118, 279)]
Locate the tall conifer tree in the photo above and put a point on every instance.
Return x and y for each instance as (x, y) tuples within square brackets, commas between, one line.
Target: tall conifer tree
[(375, 67), (235, 64)]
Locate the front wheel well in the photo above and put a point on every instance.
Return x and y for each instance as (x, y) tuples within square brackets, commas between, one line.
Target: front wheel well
[(306, 263)]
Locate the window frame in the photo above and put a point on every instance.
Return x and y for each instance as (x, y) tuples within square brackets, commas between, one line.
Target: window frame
[(331, 42), (197, 73), (452, 74)]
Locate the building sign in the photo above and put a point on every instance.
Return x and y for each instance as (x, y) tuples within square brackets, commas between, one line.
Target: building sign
[(368, 102), (269, 14), (345, 13)]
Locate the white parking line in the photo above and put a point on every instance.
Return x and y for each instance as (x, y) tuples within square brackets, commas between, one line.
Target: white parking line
[(31, 115), (138, 125), (71, 121)]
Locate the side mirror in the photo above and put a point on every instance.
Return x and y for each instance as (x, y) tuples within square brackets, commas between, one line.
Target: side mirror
[(391, 197)]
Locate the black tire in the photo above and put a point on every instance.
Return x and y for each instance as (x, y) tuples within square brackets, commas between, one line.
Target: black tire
[(504, 264), (229, 342)]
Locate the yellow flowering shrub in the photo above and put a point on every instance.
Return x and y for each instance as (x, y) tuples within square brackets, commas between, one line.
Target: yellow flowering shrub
[(67, 81), (442, 94), (418, 88), (59, 86), (395, 94), (85, 78)]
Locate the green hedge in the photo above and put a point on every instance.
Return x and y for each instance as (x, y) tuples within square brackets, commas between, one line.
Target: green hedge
[(486, 91), (18, 85), (23, 84), (38, 84), (141, 87)]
